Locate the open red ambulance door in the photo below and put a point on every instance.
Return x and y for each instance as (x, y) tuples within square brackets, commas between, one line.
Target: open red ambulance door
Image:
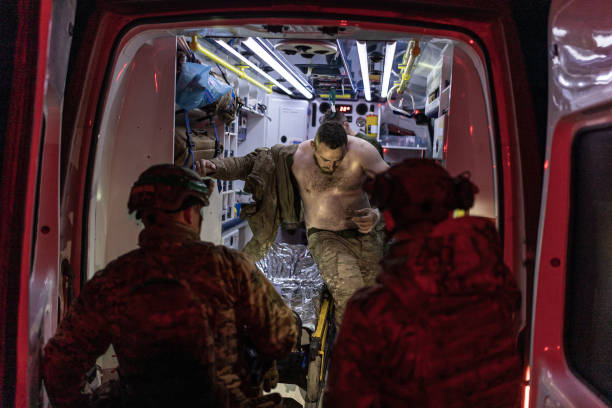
[(571, 352), (36, 38)]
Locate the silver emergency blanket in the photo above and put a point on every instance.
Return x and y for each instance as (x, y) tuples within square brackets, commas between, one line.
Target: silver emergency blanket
[(295, 276)]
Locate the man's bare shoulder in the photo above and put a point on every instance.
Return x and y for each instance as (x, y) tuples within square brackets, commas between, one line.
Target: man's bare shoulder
[(305, 146), (304, 150), (361, 148), (367, 155), (356, 141)]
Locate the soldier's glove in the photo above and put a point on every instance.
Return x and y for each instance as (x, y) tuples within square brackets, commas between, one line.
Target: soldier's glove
[(270, 379)]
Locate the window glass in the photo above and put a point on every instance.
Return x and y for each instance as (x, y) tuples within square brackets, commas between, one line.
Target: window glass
[(588, 334)]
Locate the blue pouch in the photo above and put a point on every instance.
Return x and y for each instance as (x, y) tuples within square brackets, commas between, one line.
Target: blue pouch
[(195, 87), (215, 90)]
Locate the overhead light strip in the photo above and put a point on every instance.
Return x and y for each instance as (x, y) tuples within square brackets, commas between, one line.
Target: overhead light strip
[(272, 62), (363, 62), (346, 68), (235, 53), (291, 68), (196, 46), (389, 58)]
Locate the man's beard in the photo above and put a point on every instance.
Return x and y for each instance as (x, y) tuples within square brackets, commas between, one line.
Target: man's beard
[(323, 170)]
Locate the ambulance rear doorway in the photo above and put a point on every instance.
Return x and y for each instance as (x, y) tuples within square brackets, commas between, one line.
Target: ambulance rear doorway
[(417, 95)]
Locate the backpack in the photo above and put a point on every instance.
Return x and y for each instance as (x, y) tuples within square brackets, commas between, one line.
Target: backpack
[(201, 137)]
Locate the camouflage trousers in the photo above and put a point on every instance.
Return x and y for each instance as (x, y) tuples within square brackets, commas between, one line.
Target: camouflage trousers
[(347, 260)]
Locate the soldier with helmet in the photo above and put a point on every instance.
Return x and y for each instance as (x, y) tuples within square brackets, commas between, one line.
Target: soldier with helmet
[(439, 328), (179, 312)]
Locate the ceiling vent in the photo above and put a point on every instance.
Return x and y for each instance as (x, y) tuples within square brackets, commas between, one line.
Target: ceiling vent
[(306, 48)]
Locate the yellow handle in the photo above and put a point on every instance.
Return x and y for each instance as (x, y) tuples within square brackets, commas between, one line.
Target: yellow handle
[(407, 65), (196, 46)]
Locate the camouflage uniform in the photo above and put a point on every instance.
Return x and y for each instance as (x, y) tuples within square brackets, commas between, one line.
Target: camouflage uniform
[(347, 260), (239, 304), (267, 176), (439, 328)]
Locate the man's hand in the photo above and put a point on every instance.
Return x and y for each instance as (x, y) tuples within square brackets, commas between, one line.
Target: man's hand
[(365, 219), (204, 167)]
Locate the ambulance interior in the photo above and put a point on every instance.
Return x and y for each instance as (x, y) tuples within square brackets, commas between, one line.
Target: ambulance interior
[(419, 96)]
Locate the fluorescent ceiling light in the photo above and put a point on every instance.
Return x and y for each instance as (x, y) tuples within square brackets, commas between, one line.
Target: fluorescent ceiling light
[(271, 61), (363, 61), (389, 57), (292, 69), (196, 46), (250, 64), (346, 68)]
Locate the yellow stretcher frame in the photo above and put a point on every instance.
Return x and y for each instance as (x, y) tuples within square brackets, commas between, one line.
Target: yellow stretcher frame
[(319, 352), (321, 331)]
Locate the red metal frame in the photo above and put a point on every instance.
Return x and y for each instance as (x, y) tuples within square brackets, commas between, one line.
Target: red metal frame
[(549, 364), (486, 24), (20, 153)]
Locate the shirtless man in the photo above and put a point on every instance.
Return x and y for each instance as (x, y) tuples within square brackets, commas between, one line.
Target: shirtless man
[(329, 172)]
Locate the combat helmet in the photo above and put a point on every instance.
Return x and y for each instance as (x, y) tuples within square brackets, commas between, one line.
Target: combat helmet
[(166, 187), (420, 190)]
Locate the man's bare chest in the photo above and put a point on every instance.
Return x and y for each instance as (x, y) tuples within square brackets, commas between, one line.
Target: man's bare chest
[(314, 181)]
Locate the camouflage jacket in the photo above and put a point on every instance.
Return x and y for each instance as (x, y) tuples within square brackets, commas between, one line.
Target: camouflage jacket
[(242, 307), (438, 330), (268, 177)]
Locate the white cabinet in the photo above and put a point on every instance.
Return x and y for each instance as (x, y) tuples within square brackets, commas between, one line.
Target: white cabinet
[(439, 85), (292, 126), (289, 121)]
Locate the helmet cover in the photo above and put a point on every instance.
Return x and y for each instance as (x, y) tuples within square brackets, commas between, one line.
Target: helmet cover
[(420, 189), (166, 187)]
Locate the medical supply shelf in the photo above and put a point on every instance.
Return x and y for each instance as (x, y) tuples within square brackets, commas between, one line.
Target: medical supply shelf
[(228, 193), (403, 147), (251, 111)]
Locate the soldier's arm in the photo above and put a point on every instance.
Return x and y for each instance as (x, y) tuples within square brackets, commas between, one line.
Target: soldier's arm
[(228, 168), (271, 325), (80, 339)]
